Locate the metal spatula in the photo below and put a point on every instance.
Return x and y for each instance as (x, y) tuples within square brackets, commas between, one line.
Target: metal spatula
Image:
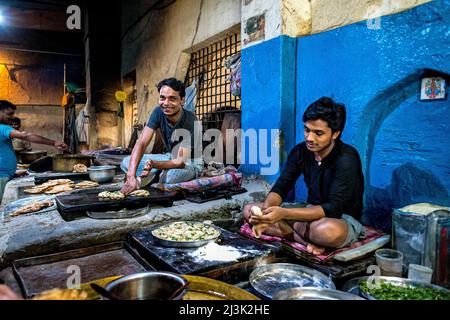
[(145, 181)]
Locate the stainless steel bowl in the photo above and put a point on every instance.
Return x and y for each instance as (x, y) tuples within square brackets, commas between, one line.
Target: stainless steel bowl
[(152, 285), (102, 173), (312, 293)]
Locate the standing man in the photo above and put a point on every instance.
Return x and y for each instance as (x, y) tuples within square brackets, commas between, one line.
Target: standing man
[(333, 174), (8, 162), (182, 141)]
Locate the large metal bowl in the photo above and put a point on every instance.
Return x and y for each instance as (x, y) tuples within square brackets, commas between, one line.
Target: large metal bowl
[(28, 157), (102, 174), (271, 278), (150, 285)]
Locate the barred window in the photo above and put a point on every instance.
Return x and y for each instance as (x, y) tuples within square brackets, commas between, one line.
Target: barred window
[(207, 67)]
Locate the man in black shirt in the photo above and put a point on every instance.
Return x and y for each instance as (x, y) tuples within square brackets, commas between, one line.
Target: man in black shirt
[(181, 137), (333, 174)]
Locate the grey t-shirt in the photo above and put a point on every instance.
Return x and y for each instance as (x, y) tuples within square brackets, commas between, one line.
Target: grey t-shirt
[(187, 132)]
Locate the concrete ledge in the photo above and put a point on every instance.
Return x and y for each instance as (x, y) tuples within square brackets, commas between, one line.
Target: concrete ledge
[(46, 233)]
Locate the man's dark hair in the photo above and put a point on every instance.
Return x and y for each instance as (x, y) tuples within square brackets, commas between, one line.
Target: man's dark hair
[(329, 111), (17, 121), (4, 105), (175, 84)]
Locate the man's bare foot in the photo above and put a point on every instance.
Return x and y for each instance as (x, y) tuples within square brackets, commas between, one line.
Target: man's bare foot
[(314, 249)]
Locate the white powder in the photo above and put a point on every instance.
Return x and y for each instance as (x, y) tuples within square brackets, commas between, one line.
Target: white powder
[(214, 252)]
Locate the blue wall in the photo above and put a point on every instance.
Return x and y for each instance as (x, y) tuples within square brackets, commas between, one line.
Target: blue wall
[(403, 142)]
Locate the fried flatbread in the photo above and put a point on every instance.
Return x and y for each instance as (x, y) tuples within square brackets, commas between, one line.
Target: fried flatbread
[(32, 207), (140, 193), (111, 195), (86, 184), (58, 189)]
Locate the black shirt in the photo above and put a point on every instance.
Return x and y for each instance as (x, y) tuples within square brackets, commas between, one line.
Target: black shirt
[(337, 185), (168, 131)]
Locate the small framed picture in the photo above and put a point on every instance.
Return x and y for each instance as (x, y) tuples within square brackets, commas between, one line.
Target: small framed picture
[(432, 88)]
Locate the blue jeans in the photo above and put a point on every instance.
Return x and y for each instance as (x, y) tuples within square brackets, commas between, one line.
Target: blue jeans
[(3, 182), (191, 170)]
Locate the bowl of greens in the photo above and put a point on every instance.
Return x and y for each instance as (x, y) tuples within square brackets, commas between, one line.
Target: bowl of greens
[(393, 288)]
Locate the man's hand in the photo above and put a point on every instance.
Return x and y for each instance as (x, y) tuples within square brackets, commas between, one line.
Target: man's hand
[(130, 185), (61, 145), (20, 173), (7, 294), (148, 166), (270, 215)]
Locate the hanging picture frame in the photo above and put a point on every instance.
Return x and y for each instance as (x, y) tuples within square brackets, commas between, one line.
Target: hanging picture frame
[(432, 88)]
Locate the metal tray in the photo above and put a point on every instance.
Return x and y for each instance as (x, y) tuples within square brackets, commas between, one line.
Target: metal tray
[(352, 285), (22, 202), (271, 278), (183, 244), (311, 293), (41, 273)]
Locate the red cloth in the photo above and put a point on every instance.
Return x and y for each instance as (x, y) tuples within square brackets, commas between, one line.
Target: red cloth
[(371, 234)]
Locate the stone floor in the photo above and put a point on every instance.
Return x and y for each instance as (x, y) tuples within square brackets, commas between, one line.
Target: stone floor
[(45, 233)]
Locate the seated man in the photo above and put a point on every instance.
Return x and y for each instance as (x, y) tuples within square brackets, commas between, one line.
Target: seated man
[(8, 162), (333, 175), (182, 162)]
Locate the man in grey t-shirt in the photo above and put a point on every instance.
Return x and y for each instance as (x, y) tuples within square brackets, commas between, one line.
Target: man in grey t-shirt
[(181, 135)]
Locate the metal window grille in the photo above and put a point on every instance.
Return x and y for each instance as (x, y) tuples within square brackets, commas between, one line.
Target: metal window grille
[(214, 97)]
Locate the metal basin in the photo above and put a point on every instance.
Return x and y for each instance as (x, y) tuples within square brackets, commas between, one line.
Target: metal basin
[(102, 173), (148, 286), (28, 157)]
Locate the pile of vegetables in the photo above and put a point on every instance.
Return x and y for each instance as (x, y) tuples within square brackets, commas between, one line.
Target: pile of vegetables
[(389, 291)]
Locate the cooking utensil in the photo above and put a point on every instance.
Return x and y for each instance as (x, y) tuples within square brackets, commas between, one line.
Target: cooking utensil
[(184, 244), (28, 157), (102, 174), (153, 285), (65, 162), (311, 293), (271, 278), (178, 291), (103, 292)]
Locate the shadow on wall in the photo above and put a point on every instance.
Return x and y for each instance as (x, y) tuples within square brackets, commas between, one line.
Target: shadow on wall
[(409, 185), (378, 203)]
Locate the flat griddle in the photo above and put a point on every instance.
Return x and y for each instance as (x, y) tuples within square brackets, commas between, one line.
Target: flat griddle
[(184, 260), (41, 273), (75, 204)]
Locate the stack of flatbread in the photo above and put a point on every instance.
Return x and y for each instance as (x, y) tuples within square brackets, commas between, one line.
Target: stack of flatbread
[(52, 187), (80, 168)]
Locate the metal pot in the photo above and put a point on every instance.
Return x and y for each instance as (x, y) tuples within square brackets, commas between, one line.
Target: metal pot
[(150, 285), (28, 157), (65, 162), (102, 173)]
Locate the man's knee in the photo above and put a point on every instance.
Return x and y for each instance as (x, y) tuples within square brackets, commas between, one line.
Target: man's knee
[(178, 175), (327, 232)]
